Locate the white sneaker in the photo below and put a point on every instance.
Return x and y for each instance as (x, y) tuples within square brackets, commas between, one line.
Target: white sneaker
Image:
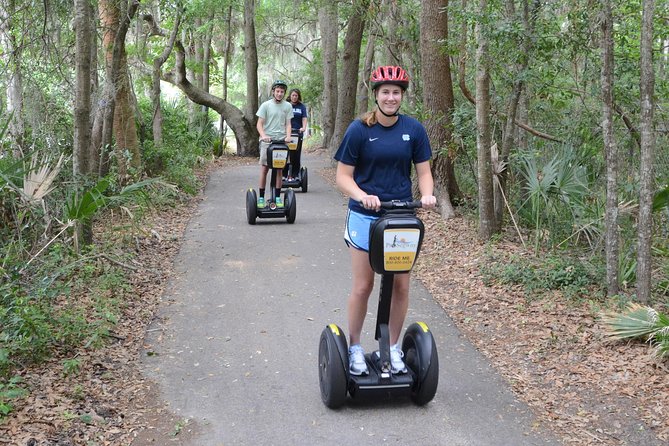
[(356, 360), (397, 365)]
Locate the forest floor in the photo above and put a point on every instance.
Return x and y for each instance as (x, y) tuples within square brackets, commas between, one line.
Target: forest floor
[(551, 350)]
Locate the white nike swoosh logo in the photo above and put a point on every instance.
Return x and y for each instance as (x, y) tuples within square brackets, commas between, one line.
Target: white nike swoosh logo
[(372, 139)]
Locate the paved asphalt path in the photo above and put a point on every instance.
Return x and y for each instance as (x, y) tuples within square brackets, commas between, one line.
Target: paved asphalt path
[(237, 339)]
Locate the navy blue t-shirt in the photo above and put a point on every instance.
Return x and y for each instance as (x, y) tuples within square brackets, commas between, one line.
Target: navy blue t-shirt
[(299, 112), (383, 157)]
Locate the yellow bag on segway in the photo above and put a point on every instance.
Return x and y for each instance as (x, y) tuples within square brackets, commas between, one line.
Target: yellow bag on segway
[(394, 242), (278, 155), (292, 145)]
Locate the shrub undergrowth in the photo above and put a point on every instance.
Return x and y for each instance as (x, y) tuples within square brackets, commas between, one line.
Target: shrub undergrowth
[(58, 298)]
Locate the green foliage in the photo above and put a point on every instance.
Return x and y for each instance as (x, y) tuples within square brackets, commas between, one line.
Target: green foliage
[(184, 147), (576, 278), (63, 304), (82, 208), (71, 366), (8, 391), (661, 199)]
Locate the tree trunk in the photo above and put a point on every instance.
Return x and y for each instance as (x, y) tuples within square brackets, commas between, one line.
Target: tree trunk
[(81, 163), (155, 86), (116, 93), (438, 101), (105, 113), (244, 130), (363, 84), (349, 72), (483, 140), (125, 127), (327, 21), (646, 172), (226, 63), (96, 133), (611, 152), (206, 57), (11, 55), (251, 64)]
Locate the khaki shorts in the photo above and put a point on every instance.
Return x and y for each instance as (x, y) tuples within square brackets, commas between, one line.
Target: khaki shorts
[(263, 152)]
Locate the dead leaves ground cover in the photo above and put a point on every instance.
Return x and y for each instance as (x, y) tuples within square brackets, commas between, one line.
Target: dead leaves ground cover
[(552, 352)]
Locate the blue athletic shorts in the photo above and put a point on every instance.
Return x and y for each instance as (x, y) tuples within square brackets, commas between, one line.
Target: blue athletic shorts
[(356, 233)]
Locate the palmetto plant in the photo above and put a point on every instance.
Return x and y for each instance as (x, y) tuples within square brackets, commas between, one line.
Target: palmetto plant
[(554, 193), (39, 177), (640, 322)]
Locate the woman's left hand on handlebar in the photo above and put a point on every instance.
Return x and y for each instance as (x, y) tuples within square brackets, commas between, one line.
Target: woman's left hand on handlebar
[(370, 202), (428, 201)]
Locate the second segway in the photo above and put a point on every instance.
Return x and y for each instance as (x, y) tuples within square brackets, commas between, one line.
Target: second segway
[(277, 155), (394, 244), (300, 179)]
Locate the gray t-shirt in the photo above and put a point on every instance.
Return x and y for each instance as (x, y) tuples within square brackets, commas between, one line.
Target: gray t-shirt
[(275, 115)]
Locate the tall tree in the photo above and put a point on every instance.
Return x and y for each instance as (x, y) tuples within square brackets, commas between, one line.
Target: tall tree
[(83, 23), (251, 65), (610, 150), (157, 121), (125, 127), (115, 18), (438, 95), (327, 21), (487, 223), (363, 84), (646, 171), (349, 71), (82, 163), (227, 52), (12, 56)]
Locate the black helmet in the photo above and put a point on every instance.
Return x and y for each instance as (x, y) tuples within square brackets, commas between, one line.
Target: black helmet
[(279, 83)]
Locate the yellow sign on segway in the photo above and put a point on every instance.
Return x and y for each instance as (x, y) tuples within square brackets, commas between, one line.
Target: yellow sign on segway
[(292, 145), (400, 246), (279, 158)]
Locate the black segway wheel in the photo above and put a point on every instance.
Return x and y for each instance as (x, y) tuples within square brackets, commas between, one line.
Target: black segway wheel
[(420, 355), (305, 179), (291, 205), (251, 206), (332, 360)]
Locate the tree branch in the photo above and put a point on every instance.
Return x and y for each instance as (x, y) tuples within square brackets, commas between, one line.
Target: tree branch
[(154, 29), (628, 123)]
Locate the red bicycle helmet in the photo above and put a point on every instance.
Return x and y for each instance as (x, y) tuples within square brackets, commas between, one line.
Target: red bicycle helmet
[(390, 74)]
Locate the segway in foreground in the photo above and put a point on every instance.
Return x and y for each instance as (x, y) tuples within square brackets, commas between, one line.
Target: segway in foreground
[(300, 179), (277, 154), (394, 244)]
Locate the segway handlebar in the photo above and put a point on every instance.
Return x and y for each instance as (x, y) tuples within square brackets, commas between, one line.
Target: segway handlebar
[(399, 204)]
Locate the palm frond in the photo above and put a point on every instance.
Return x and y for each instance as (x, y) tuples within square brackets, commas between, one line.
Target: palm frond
[(38, 181), (635, 322)]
